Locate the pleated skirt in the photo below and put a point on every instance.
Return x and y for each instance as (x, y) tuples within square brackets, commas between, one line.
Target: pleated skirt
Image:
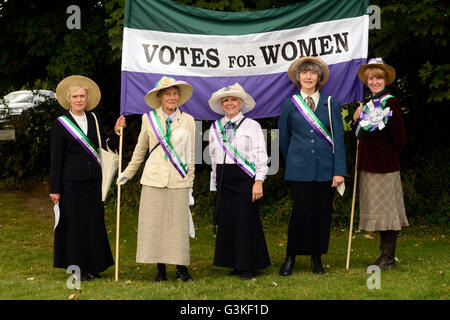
[(163, 227), (80, 236), (309, 225), (240, 241), (381, 202)]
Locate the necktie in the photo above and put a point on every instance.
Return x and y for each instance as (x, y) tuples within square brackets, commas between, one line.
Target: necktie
[(168, 122), (229, 127), (310, 103)]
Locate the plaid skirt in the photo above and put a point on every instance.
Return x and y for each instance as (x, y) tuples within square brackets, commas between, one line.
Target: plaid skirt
[(381, 202), (163, 228)]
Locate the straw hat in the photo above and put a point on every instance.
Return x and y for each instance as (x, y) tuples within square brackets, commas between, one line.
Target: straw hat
[(185, 88), (236, 90), (294, 67), (93, 91), (379, 63)]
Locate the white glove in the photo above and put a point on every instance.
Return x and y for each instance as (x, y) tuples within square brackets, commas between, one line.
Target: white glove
[(191, 197), (121, 180)]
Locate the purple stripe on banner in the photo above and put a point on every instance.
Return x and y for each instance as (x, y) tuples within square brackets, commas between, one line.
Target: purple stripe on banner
[(269, 91)]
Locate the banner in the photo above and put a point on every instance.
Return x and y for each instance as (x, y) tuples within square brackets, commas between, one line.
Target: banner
[(212, 49)]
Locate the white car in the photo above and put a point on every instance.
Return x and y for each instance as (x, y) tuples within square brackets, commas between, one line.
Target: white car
[(18, 101)]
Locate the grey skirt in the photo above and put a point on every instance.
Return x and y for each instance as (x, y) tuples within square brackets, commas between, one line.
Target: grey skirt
[(381, 204), (163, 228)]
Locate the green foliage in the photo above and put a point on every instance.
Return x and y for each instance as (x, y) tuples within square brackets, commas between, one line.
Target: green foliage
[(39, 46), (28, 157), (439, 78)]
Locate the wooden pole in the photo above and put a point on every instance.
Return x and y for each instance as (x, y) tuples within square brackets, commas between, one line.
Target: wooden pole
[(353, 209), (118, 208)]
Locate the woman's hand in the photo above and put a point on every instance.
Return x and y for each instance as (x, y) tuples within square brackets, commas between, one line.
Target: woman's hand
[(257, 191), (55, 197), (357, 113), (120, 123), (337, 180)]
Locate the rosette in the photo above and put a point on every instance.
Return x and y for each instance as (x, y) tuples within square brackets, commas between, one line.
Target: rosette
[(374, 115)]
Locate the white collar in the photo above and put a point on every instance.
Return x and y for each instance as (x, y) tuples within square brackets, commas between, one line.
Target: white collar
[(171, 117), (315, 95), (236, 118), (83, 117)]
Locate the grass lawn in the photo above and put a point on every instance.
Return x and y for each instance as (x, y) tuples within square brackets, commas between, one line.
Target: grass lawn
[(27, 273)]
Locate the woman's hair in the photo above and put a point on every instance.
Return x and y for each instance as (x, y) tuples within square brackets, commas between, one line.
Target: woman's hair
[(376, 71), (160, 92), (75, 88), (309, 66)]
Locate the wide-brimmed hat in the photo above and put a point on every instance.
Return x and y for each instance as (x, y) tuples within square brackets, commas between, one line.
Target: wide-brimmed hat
[(379, 63), (93, 91), (185, 89), (294, 67), (236, 90)]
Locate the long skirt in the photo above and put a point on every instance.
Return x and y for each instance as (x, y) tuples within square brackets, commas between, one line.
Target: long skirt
[(163, 228), (381, 202), (240, 241), (309, 225), (80, 236)]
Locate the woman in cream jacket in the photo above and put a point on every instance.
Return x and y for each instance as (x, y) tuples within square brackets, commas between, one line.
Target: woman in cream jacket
[(168, 135)]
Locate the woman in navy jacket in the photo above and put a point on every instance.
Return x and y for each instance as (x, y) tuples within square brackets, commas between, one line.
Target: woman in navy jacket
[(315, 161)]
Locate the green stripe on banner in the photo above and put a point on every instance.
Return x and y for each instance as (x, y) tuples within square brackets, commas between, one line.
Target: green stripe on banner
[(178, 18)]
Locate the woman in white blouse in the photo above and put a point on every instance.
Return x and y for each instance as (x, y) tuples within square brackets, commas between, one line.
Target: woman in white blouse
[(239, 167)]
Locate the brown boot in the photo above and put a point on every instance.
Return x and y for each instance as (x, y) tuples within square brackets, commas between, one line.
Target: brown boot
[(388, 245), (387, 258)]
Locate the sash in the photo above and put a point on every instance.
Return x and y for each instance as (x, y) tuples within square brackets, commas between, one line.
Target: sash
[(169, 150), (311, 118), (374, 115), (80, 137), (249, 168)]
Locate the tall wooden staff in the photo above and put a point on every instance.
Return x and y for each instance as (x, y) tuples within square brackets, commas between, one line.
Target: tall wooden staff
[(355, 179), (118, 207)]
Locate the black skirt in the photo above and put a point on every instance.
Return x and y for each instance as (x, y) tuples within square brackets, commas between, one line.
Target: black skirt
[(309, 225), (240, 241), (80, 237)]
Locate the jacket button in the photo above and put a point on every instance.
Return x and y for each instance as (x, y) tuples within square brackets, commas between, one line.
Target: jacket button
[(312, 140), (311, 130), (312, 151)]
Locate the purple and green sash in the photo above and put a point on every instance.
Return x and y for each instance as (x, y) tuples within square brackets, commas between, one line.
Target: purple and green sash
[(164, 140), (311, 118), (374, 115), (244, 164), (81, 138)]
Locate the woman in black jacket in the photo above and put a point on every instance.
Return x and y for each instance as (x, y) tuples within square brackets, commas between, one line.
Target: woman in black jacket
[(76, 179)]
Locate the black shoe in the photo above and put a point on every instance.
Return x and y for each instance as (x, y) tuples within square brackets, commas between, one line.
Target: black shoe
[(316, 265), (233, 272), (161, 274), (86, 277), (288, 265), (183, 274), (247, 275)]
